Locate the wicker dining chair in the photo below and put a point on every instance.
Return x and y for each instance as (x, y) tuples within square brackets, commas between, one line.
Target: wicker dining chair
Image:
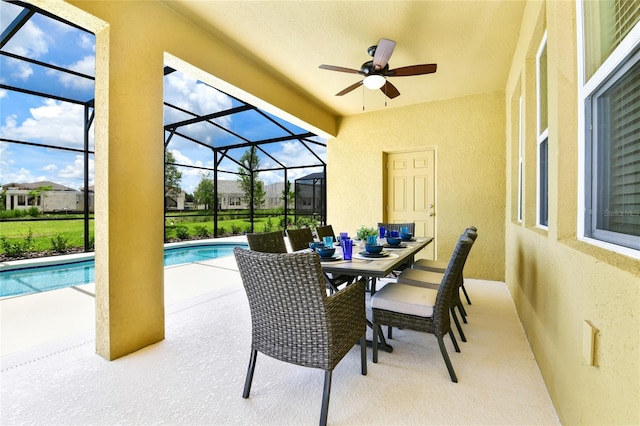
[(292, 318), (325, 231), (267, 242), (398, 226), (432, 279), (335, 280), (421, 309), (440, 266), (299, 239)]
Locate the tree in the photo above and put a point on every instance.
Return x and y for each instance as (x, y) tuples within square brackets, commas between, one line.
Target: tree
[(251, 163), (3, 199), (36, 194), (172, 176), (291, 195), (204, 192)]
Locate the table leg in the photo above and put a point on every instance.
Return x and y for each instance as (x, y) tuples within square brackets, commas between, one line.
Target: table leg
[(382, 343)]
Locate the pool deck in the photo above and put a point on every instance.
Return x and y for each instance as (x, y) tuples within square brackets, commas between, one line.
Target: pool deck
[(32, 320)]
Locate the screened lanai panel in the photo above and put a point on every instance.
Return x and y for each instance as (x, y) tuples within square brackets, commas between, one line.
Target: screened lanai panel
[(45, 121), (287, 125), (30, 77), (294, 153), (250, 125), (209, 134), (38, 58), (189, 94), (58, 166)]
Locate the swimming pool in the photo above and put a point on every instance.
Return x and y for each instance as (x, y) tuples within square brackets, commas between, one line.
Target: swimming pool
[(50, 276)]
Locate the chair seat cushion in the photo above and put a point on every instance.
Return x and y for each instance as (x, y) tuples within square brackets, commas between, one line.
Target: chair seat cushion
[(430, 265), (405, 299), (420, 278)]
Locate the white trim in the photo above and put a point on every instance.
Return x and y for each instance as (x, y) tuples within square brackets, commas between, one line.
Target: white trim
[(581, 121)]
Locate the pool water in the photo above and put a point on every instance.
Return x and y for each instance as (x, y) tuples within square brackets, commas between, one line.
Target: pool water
[(37, 279)]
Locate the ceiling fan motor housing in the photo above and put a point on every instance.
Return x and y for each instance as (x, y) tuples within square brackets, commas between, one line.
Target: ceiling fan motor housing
[(368, 69)]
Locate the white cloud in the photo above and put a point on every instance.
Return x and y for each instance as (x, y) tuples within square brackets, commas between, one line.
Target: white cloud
[(22, 71), (86, 42), (186, 93), (86, 65), (30, 41), (55, 123), (74, 170), (21, 176), (50, 168), (294, 153)]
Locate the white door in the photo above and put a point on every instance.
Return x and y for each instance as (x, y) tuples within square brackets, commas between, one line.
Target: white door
[(410, 194)]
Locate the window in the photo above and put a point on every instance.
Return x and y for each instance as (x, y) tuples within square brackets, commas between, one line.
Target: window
[(543, 136), (520, 142), (611, 100)]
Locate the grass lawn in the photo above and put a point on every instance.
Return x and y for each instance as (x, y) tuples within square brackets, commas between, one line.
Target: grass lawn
[(71, 232)]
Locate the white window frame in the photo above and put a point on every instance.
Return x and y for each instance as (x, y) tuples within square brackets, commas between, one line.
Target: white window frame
[(520, 163), (542, 136), (585, 89)]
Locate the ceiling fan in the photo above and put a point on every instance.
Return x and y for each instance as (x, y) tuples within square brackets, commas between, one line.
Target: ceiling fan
[(377, 70)]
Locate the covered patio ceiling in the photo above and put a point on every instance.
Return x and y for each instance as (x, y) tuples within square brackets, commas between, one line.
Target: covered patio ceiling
[(206, 128), (471, 41)]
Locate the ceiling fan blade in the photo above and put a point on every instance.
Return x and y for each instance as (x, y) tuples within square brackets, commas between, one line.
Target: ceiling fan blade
[(350, 88), (390, 90), (412, 70), (340, 69), (383, 53)]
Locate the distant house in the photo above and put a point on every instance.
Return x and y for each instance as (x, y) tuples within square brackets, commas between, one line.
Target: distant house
[(273, 195), (174, 202), (230, 195), (46, 196)]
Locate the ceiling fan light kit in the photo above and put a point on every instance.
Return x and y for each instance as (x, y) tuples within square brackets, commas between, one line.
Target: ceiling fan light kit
[(374, 82), (375, 72)]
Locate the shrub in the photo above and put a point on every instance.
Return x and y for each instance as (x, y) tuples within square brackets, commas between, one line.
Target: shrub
[(59, 243), (19, 248), (236, 230), (222, 230), (33, 212), (12, 214), (182, 232), (202, 232)]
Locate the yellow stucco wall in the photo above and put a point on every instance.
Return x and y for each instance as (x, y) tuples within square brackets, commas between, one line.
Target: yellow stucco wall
[(132, 42), (468, 135), (558, 282)]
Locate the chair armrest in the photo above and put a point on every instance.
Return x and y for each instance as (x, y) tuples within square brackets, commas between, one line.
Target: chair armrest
[(346, 315)]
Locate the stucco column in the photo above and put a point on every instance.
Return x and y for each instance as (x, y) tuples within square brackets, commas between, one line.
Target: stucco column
[(129, 174)]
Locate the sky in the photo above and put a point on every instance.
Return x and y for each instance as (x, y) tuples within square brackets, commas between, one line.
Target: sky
[(57, 123)]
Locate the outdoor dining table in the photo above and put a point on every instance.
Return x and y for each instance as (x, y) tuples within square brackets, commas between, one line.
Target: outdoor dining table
[(374, 268)]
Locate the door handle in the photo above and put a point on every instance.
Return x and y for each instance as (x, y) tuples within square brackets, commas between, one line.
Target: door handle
[(431, 214)]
